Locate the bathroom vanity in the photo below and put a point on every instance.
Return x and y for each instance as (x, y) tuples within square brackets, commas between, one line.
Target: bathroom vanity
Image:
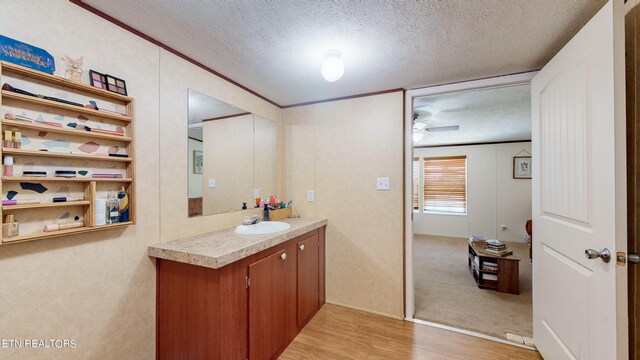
[(227, 296)]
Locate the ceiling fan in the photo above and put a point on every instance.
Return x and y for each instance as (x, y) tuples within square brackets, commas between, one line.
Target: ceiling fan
[(419, 128)]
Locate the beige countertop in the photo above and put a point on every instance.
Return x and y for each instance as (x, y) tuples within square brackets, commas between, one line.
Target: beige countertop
[(217, 249)]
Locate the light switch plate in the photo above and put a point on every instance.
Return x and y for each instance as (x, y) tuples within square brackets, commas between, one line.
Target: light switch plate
[(382, 184), (256, 193), (311, 195), (212, 183)]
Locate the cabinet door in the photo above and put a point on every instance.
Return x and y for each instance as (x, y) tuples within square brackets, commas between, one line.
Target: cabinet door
[(308, 284), (267, 306)]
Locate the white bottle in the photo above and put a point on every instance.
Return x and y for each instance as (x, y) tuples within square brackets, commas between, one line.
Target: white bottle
[(101, 212)]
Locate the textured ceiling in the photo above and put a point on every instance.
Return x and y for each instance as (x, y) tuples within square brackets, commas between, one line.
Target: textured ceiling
[(276, 48), (498, 114)]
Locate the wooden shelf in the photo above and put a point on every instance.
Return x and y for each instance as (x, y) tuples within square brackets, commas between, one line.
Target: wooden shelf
[(44, 206), (61, 130), (54, 154), (31, 226), (56, 80), (61, 179), (51, 234), (50, 103)]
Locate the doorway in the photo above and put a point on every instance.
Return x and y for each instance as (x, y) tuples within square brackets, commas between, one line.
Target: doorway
[(472, 159)]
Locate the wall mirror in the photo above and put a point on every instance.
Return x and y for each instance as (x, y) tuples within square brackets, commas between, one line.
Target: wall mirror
[(232, 156)]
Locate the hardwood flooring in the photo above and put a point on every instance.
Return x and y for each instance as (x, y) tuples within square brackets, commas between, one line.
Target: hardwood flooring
[(339, 333)]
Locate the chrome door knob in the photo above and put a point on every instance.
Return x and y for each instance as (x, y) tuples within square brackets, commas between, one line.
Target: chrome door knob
[(302, 247), (604, 254), (283, 256), (633, 258)]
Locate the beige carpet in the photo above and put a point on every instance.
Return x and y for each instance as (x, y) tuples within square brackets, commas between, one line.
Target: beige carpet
[(446, 293)]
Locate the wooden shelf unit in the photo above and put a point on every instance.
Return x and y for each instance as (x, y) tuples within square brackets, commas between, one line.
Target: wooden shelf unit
[(90, 184), (62, 106), (507, 273), (45, 205), (54, 154), (13, 124)]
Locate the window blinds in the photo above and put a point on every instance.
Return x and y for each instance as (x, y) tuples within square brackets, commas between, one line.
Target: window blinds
[(445, 184)]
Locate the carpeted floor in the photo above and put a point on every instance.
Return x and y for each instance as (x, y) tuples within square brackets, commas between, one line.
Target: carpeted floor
[(446, 293)]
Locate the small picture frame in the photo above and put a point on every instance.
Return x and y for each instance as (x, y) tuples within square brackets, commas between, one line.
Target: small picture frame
[(197, 162), (522, 167)]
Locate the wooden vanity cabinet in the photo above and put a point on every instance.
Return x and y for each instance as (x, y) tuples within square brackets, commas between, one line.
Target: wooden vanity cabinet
[(308, 294), (267, 305), (250, 309)]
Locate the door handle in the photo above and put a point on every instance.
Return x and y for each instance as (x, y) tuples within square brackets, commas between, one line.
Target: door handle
[(604, 254), (302, 247), (283, 256), (633, 258)]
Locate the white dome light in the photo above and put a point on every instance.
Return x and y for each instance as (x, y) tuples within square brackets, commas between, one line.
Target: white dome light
[(332, 68)]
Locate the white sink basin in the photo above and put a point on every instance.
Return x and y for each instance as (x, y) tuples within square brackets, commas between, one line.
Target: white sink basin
[(261, 228)]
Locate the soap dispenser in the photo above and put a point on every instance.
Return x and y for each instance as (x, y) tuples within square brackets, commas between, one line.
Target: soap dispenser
[(266, 213)]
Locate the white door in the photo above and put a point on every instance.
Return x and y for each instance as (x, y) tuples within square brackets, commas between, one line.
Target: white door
[(579, 194)]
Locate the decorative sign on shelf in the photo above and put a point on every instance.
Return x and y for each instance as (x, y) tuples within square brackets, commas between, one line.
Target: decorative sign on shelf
[(26, 55)]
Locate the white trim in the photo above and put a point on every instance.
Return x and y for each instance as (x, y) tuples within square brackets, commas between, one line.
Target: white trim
[(500, 81), (471, 333)]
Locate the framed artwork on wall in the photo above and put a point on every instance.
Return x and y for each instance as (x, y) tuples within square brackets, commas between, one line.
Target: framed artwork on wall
[(522, 167), (197, 162)]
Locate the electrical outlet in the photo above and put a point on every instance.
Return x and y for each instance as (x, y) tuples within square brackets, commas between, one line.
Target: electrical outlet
[(382, 184), (212, 183), (311, 195)]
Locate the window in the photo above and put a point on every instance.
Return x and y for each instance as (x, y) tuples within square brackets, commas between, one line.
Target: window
[(415, 185), (445, 185)]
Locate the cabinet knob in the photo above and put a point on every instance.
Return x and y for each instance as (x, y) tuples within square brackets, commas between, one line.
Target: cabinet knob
[(302, 247), (283, 256)]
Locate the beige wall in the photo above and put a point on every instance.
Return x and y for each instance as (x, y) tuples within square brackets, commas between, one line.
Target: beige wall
[(339, 149), (176, 77), (228, 158), (494, 198), (99, 289)]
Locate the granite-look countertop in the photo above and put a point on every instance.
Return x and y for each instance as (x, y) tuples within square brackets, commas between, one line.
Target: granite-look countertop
[(217, 249)]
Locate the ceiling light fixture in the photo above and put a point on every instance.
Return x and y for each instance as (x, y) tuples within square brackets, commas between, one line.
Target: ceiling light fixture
[(332, 68)]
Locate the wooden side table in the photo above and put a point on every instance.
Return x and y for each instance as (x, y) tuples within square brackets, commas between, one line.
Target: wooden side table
[(507, 275)]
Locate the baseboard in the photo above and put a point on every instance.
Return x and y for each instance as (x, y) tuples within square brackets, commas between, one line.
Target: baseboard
[(471, 333), (365, 310)]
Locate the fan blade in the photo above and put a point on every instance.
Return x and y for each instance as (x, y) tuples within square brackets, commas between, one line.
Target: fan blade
[(444, 128)]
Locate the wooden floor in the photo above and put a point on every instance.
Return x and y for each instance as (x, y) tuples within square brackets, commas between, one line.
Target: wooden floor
[(339, 333)]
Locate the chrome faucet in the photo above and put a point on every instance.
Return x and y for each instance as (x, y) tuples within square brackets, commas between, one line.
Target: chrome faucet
[(251, 220)]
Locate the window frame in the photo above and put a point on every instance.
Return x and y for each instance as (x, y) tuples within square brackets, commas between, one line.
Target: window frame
[(422, 189)]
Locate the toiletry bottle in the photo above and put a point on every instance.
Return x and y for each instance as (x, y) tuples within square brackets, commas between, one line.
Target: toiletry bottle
[(123, 205), (244, 206), (17, 140), (8, 139), (265, 217), (100, 212), (8, 166), (10, 228), (113, 213)]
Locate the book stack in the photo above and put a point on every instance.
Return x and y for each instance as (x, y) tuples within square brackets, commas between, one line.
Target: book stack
[(489, 266), (477, 240), (496, 248)]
